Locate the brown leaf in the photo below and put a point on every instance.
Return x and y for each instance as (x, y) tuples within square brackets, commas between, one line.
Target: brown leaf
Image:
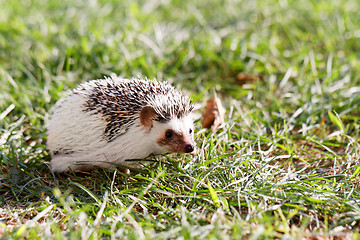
[(243, 78), (214, 114)]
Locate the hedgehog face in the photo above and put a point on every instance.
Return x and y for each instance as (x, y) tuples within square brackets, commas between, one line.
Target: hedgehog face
[(177, 135)]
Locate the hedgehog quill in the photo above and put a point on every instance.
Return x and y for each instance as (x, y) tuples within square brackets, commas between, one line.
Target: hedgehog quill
[(103, 123)]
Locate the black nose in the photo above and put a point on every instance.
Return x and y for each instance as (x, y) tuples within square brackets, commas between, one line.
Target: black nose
[(189, 148)]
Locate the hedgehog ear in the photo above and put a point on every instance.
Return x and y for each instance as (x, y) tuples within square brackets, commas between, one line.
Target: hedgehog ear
[(147, 115)]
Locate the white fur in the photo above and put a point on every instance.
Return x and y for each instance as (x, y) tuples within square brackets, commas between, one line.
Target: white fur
[(181, 125), (135, 144), (70, 125), (81, 133)]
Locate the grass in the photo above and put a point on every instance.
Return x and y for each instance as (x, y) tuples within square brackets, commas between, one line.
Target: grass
[(285, 164)]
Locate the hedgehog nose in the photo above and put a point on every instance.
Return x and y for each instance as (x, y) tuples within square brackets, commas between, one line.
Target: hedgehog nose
[(189, 148)]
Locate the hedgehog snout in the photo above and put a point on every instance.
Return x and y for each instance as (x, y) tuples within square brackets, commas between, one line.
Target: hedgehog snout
[(189, 148), (188, 145), (177, 142)]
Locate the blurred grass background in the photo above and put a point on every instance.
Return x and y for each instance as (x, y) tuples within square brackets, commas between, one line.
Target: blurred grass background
[(284, 164)]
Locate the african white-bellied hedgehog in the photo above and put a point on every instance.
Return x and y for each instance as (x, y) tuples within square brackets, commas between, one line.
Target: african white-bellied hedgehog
[(104, 123)]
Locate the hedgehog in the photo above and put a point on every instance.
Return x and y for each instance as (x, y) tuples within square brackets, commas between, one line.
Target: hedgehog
[(118, 122)]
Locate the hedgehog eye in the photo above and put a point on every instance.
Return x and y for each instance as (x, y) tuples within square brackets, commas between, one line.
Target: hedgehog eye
[(168, 134), (190, 131)]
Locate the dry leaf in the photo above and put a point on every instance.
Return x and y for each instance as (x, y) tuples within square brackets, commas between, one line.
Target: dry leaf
[(243, 78), (214, 114)]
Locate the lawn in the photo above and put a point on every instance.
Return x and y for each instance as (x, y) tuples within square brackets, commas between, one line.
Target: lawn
[(284, 164)]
